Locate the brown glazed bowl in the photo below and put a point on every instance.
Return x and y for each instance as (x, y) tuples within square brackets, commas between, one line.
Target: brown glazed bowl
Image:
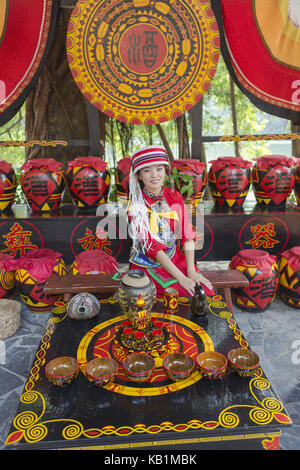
[(139, 367), (212, 364), (244, 362), (62, 370), (101, 371), (178, 366)]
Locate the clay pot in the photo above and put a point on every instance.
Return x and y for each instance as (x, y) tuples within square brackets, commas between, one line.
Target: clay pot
[(32, 272), (289, 276), (88, 180), (83, 306), (8, 185), (7, 277), (229, 180), (43, 183), (273, 179), (197, 171), (136, 284), (122, 179), (261, 270), (93, 262)]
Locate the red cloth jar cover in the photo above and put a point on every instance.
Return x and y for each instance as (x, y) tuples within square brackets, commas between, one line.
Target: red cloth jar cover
[(7, 276), (289, 276), (32, 270), (229, 180), (273, 179), (122, 178), (43, 182), (8, 185), (94, 262), (197, 170), (261, 270), (88, 180)]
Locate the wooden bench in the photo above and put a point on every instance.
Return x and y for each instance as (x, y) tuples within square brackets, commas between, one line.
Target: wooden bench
[(222, 280)]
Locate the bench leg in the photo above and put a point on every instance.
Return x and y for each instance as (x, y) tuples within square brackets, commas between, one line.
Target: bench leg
[(226, 294)]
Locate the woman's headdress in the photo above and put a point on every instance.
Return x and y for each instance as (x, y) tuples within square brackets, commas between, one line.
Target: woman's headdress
[(143, 158)]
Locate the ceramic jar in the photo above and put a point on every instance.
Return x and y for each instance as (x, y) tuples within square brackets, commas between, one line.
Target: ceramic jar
[(7, 276), (43, 183), (88, 181), (289, 276), (261, 270), (136, 284), (191, 176), (8, 185), (83, 306), (93, 262), (273, 179), (122, 179), (32, 271), (229, 180), (297, 182)]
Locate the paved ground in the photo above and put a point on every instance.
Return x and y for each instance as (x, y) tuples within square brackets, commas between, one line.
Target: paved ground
[(273, 334)]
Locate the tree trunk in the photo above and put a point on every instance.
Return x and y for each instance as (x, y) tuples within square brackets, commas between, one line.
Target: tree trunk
[(56, 109), (183, 140), (295, 129), (234, 117)]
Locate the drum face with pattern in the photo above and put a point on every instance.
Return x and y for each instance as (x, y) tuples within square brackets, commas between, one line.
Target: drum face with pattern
[(261, 270), (289, 276), (7, 277)]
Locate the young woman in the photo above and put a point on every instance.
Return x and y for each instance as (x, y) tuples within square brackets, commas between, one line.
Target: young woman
[(159, 220)]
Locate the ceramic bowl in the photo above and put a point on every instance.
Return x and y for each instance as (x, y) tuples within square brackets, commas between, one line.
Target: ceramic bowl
[(139, 367), (178, 366), (244, 362), (101, 371), (212, 364), (62, 370)]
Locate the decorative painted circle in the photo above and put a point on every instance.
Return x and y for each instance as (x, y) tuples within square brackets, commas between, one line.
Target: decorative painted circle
[(143, 61), (181, 335)]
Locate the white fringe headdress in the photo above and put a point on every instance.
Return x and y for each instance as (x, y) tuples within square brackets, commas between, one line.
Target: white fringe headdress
[(140, 227)]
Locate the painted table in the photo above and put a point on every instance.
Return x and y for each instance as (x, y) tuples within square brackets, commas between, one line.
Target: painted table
[(196, 413)]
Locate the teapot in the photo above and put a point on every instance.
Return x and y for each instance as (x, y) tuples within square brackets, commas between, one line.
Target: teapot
[(199, 303), (135, 285)]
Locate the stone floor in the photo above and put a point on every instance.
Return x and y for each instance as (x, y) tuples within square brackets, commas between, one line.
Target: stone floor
[(273, 334)]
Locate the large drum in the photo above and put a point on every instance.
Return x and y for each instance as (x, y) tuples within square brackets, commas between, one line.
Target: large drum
[(229, 180), (289, 276), (88, 180), (261, 270), (273, 179), (43, 183)]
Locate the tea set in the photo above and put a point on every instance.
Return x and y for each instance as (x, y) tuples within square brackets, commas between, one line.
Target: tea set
[(141, 333)]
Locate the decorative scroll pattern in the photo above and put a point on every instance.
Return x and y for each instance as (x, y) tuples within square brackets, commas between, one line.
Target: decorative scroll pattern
[(31, 427)]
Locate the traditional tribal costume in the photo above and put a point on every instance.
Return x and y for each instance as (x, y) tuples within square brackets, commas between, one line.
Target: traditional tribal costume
[(158, 222)]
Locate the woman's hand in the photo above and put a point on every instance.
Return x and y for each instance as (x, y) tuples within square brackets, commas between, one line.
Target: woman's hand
[(188, 284), (200, 279)]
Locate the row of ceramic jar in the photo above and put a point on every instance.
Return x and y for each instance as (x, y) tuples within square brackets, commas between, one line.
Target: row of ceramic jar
[(43, 181), (267, 276), (28, 274)]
